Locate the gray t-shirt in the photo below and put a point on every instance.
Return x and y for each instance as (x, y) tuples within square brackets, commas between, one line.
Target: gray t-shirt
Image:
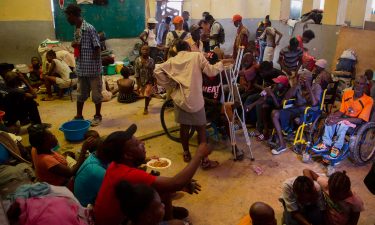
[(290, 198)]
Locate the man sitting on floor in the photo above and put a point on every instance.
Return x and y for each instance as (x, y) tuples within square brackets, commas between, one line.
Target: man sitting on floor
[(127, 153), (58, 73), (355, 109), (306, 94)]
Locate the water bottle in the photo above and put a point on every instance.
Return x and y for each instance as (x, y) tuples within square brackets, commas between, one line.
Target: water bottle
[(305, 154)]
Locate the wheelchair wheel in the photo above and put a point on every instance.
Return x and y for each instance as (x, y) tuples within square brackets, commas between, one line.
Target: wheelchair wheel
[(170, 127), (361, 146)]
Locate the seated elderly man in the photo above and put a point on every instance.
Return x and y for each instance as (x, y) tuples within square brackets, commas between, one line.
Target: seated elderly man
[(306, 94), (355, 109)]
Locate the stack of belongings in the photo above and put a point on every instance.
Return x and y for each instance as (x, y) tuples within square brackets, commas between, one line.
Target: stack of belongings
[(345, 69)]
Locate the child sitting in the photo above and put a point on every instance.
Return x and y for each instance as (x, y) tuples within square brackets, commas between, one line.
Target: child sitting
[(126, 87), (144, 73), (343, 206), (36, 72), (58, 73)]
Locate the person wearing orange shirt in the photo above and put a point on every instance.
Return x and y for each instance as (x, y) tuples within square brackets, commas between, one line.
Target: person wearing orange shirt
[(260, 214), (50, 166), (355, 109), (242, 38)]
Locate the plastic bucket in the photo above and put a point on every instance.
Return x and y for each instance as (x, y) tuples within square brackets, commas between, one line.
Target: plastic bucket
[(111, 69), (75, 130)]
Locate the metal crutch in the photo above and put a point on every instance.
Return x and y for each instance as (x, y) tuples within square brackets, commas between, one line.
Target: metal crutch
[(231, 79)]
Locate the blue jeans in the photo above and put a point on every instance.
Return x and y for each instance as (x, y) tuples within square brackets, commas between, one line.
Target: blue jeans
[(262, 46), (329, 132)]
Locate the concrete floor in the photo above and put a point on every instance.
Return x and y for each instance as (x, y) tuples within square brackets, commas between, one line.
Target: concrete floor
[(228, 191)]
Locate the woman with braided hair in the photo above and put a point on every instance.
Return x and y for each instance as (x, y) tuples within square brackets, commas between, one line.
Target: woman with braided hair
[(343, 205)]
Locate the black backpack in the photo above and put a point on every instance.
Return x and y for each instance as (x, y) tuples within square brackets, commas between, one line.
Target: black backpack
[(172, 51), (176, 37), (221, 35)]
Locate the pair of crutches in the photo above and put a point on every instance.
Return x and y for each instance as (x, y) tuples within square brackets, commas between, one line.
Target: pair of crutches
[(231, 75)]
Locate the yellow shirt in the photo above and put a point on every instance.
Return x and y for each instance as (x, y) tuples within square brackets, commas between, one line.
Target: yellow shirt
[(246, 221)]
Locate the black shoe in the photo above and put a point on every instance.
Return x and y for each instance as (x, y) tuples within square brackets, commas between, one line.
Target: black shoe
[(179, 213)]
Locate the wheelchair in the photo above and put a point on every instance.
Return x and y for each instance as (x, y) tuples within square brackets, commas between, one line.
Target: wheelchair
[(358, 145), (307, 125), (214, 129)]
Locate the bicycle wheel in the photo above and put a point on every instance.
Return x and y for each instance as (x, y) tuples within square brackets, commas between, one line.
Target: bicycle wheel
[(170, 126), (362, 144)]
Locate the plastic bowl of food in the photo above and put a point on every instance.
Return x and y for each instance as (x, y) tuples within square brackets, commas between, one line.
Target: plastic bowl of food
[(159, 163)]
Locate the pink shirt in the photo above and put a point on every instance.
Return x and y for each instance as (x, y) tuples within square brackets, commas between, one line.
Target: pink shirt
[(338, 212)]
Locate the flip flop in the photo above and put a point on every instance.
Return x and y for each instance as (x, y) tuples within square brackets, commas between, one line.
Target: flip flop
[(209, 164), (187, 156), (47, 99)]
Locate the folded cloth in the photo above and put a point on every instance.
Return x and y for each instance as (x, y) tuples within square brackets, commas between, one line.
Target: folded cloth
[(30, 190), (50, 210)]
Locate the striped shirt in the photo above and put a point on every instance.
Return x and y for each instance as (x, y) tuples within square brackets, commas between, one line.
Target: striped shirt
[(291, 58), (88, 65)]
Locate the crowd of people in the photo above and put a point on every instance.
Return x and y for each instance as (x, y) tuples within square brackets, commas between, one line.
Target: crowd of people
[(109, 184)]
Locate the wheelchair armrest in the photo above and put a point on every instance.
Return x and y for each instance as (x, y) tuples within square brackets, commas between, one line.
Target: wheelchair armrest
[(287, 103)]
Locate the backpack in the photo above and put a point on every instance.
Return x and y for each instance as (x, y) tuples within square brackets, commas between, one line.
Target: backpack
[(172, 50), (221, 34), (176, 37)]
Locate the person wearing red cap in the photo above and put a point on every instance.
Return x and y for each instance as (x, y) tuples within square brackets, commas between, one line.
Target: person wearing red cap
[(242, 38), (271, 98)]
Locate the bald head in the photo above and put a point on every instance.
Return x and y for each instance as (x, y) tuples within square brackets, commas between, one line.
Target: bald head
[(262, 214)]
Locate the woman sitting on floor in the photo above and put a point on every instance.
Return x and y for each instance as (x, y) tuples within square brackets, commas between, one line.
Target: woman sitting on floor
[(126, 87), (50, 166)]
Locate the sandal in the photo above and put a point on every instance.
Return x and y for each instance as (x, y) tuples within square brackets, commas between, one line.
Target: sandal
[(187, 156), (209, 164), (78, 118), (47, 99)]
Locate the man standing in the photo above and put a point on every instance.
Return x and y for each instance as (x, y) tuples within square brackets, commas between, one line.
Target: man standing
[(163, 30), (86, 46), (196, 45), (186, 16), (178, 33), (270, 34), (290, 60), (242, 38), (215, 31)]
